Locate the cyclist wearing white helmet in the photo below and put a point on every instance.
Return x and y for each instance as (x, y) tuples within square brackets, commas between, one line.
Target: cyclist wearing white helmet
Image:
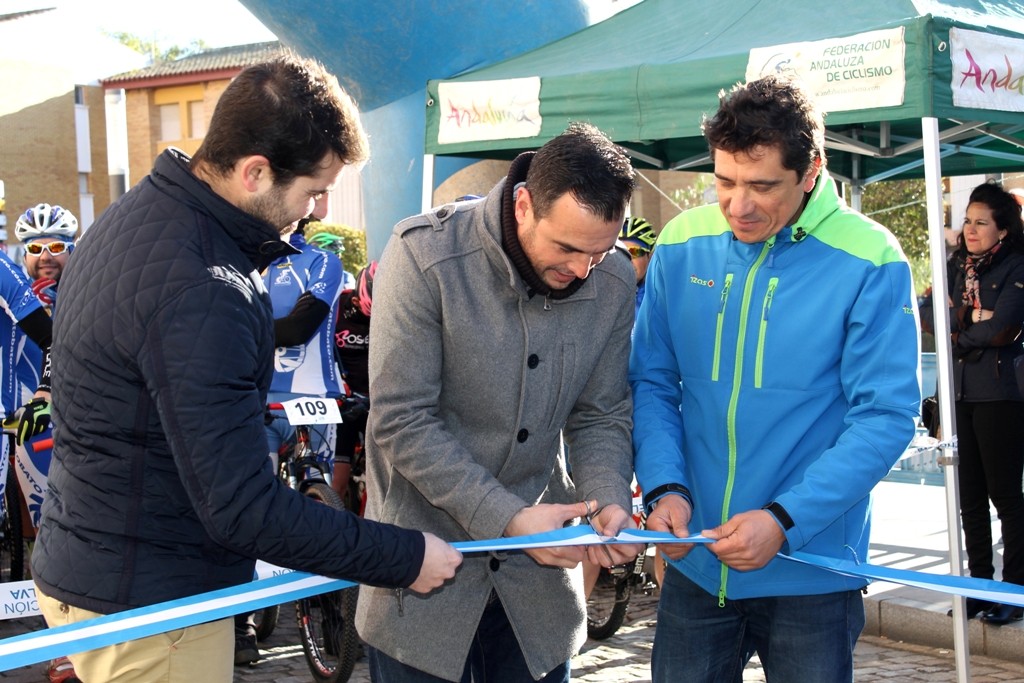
[(48, 233), (25, 317)]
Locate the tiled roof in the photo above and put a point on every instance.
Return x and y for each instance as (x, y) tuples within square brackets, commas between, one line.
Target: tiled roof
[(18, 15), (217, 59)]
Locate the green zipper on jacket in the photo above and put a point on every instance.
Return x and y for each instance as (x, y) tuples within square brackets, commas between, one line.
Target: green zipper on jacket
[(718, 327), (763, 332), (741, 338)]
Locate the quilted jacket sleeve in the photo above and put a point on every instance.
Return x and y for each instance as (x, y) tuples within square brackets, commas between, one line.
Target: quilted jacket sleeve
[(201, 362)]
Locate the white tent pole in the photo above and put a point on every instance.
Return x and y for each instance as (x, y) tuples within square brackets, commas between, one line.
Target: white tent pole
[(856, 188), (427, 196), (944, 378)]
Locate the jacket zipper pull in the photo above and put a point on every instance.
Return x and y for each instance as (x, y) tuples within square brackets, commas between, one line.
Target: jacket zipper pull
[(547, 303), (399, 594)]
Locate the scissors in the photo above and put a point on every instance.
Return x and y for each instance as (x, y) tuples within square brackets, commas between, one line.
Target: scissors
[(590, 520)]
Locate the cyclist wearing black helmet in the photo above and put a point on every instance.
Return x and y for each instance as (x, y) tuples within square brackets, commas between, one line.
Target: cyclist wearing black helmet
[(637, 238), (352, 346)]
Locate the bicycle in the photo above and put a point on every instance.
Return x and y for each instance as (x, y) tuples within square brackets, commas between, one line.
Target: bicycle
[(326, 622), (354, 497), (609, 599), (16, 520), (12, 543)]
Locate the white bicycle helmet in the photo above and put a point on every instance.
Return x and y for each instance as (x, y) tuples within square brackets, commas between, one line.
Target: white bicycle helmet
[(43, 220)]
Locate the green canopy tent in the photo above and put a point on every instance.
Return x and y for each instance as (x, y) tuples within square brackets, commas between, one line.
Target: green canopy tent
[(912, 88), (647, 75)]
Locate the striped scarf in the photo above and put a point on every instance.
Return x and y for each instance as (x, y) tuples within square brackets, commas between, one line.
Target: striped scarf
[(976, 264)]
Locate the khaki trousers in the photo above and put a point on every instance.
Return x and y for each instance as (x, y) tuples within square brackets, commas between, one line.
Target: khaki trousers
[(197, 653)]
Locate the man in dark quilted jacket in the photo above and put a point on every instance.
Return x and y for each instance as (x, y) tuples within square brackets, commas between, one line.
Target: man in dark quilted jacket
[(160, 486)]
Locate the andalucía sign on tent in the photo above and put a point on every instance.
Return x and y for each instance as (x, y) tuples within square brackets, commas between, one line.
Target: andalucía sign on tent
[(988, 70)]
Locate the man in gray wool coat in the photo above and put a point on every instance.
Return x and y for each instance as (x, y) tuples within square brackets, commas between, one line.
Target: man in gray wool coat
[(498, 326)]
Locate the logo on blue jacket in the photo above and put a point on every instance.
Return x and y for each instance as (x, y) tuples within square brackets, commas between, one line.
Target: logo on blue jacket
[(289, 358)]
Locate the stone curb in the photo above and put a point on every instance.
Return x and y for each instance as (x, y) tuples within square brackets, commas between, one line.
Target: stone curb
[(901, 616)]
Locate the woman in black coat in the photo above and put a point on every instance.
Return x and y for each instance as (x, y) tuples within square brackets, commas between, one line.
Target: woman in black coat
[(986, 290)]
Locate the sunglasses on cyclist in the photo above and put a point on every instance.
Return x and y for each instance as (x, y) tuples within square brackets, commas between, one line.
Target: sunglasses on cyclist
[(637, 252), (55, 248)]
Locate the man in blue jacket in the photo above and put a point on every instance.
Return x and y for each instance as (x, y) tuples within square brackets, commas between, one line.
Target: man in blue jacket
[(160, 485), (774, 377)]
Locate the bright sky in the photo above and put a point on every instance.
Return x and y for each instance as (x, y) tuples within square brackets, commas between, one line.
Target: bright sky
[(218, 23)]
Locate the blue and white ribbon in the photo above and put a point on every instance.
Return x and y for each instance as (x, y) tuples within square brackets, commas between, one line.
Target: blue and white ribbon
[(138, 623)]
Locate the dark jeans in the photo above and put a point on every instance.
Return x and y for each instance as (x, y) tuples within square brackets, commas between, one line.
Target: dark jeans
[(805, 638), (991, 446), (494, 657)]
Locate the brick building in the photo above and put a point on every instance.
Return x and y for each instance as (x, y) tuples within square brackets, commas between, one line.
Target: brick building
[(170, 104), (53, 135)]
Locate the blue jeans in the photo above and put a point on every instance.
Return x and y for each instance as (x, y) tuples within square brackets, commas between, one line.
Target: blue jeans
[(806, 638), (494, 657)]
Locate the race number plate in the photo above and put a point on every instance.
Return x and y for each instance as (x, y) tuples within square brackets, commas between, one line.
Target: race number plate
[(312, 411)]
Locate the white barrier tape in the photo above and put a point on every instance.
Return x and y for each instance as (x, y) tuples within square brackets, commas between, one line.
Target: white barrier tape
[(985, 589), (18, 598), (111, 629), (116, 628)]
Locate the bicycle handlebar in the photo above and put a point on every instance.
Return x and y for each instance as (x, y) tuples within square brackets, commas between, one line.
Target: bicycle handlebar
[(347, 404), (40, 445)]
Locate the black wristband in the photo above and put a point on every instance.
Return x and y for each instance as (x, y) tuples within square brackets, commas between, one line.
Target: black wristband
[(780, 514), (657, 493), (44, 375)]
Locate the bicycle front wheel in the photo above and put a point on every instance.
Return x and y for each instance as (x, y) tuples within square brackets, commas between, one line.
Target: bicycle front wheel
[(353, 500), (606, 608), (12, 545), (327, 622), (266, 621)]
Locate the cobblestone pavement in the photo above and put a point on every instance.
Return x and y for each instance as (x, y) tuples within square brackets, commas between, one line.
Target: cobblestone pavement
[(622, 658)]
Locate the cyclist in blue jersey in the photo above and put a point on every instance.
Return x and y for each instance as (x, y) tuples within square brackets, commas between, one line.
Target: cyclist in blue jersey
[(26, 323), (25, 317), (304, 288), (320, 238), (48, 233)]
